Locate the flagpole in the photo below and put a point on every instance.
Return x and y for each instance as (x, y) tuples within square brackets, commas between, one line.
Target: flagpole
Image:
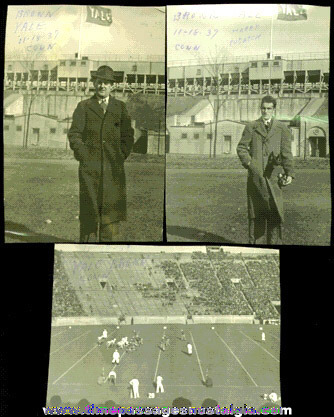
[(80, 32), (271, 34)]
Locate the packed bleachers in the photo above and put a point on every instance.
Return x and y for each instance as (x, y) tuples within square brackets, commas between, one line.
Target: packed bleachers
[(112, 284), (265, 276), (65, 301)]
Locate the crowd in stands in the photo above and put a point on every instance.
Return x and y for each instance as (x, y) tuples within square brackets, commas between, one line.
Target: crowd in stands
[(164, 292), (217, 296), (265, 274), (172, 271), (204, 285), (65, 301)]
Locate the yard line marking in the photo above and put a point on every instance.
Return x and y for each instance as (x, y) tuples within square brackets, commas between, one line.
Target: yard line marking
[(71, 367), (156, 368), (237, 359), (275, 337), (198, 360), (257, 343), (62, 346), (57, 334)]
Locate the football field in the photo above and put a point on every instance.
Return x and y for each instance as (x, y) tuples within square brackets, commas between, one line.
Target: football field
[(42, 200), (242, 367), (210, 205)]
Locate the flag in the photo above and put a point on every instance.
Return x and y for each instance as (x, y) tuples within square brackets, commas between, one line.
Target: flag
[(291, 12), (99, 15)]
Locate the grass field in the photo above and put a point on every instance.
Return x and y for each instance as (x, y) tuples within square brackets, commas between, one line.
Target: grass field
[(241, 366), (210, 205), (41, 197)]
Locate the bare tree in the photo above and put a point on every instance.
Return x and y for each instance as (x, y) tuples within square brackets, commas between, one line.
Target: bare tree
[(213, 64), (27, 63)]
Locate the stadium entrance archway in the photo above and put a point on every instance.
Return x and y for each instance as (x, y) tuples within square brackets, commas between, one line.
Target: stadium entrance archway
[(317, 142)]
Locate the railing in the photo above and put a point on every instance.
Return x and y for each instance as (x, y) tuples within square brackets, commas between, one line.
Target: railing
[(247, 58), (95, 57)]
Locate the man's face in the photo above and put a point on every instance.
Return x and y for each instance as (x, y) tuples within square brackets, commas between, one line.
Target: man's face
[(267, 110), (102, 87)]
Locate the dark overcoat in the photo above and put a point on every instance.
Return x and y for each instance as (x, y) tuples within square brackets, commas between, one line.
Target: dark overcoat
[(265, 155), (101, 142)]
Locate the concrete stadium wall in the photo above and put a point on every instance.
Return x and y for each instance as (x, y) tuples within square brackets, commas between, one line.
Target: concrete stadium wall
[(222, 319), (248, 109), (99, 321), (58, 104)]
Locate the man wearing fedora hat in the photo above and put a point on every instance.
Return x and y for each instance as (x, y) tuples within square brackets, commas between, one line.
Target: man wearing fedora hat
[(101, 137)]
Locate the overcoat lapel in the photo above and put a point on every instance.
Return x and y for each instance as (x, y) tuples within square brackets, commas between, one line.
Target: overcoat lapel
[(95, 106), (274, 129), (113, 107), (259, 127)]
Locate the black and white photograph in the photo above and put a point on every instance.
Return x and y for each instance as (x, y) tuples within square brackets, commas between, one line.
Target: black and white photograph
[(167, 207), (247, 149), (184, 326), (84, 123)]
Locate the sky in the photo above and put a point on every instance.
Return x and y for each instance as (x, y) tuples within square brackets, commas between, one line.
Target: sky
[(197, 31), (154, 249), (133, 31)]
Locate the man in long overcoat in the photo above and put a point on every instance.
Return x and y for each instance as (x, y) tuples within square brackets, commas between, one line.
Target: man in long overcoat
[(101, 137), (265, 150)]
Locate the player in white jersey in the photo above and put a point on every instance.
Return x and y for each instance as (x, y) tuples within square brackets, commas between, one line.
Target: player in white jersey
[(189, 348), (135, 388), (112, 377), (160, 387), (263, 337), (103, 337), (115, 357), (111, 343)]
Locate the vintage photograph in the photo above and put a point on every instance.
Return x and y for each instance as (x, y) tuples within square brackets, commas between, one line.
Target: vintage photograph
[(84, 123), (164, 326), (247, 142)]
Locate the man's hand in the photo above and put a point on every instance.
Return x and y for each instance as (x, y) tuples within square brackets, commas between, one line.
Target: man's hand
[(284, 180)]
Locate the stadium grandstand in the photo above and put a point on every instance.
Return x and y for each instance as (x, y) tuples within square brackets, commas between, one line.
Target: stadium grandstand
[(205, 320), (215, 283), (134, 74), (283, 74), (299, 82)]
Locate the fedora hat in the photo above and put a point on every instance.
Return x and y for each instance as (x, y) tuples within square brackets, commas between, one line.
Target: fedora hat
[(103, 73)]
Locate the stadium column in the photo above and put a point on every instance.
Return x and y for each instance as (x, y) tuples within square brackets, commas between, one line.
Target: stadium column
[(229, 84), (203, 86), (260, 91), (156, 84), (239, 87), (49, 80), (294, 82), (28, 80), (321, 81), (144, 90), (38, 79), (281, 87), (269, 86), (14, 80), (305, 81)]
